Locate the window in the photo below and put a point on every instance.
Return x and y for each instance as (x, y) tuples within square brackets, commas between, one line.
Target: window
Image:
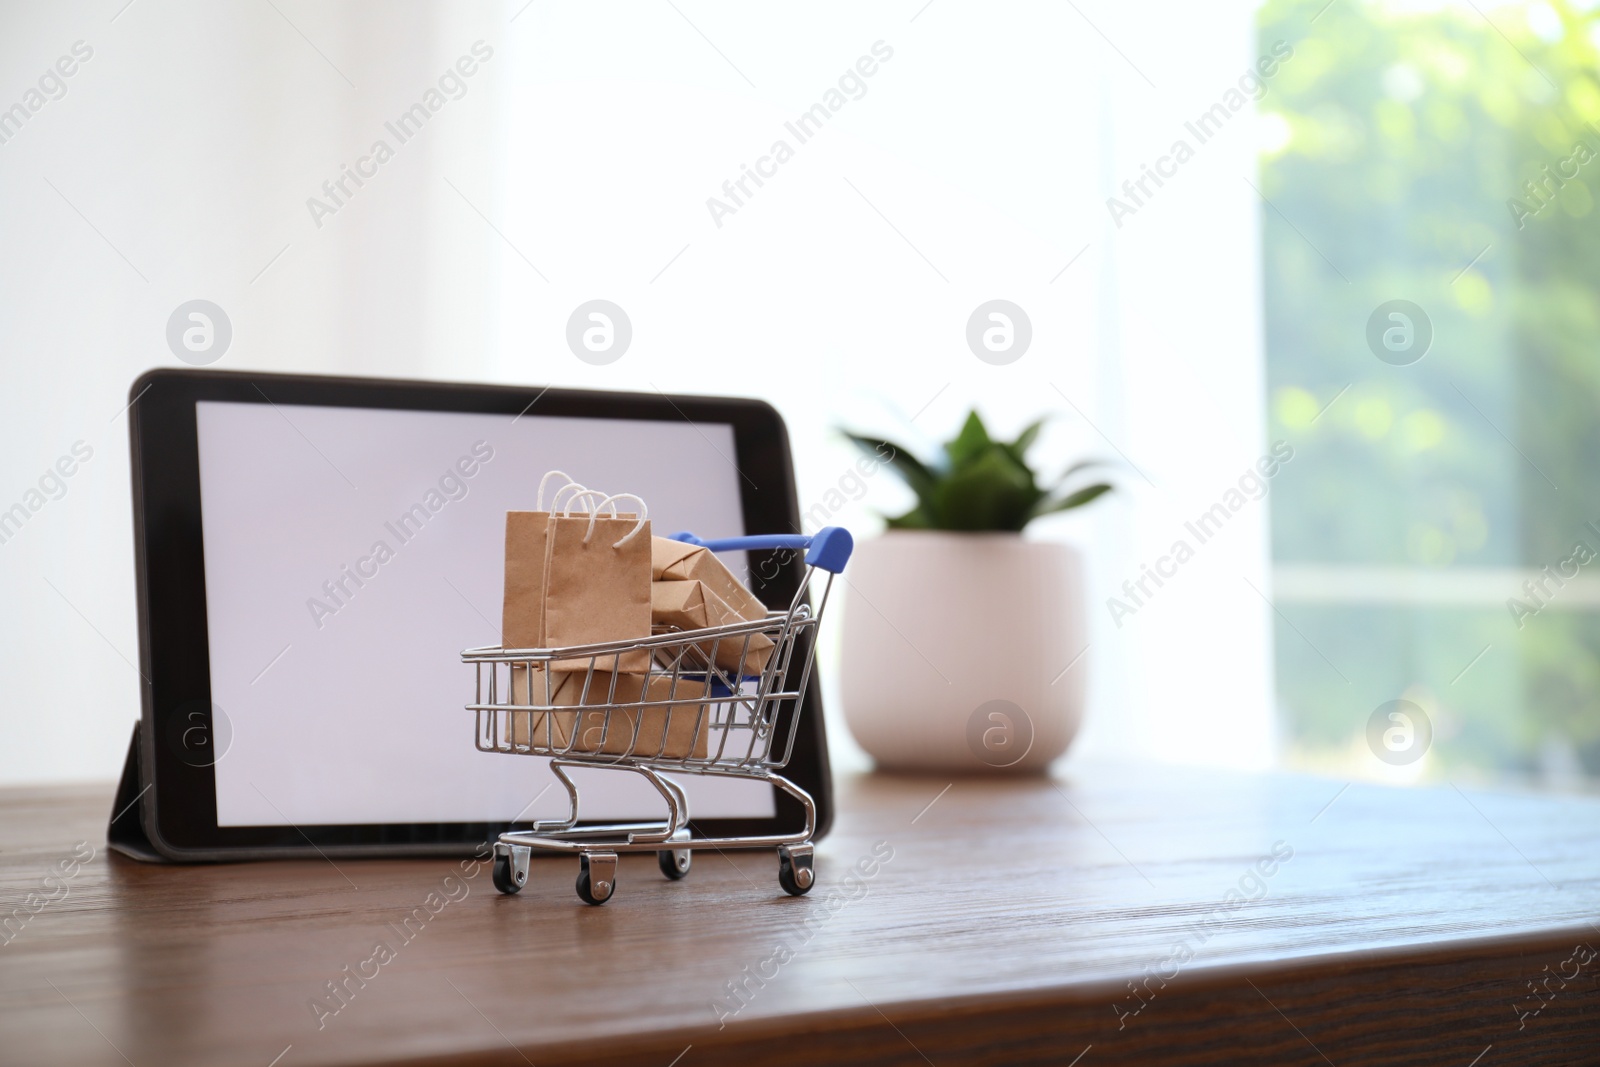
[(1431, 263)]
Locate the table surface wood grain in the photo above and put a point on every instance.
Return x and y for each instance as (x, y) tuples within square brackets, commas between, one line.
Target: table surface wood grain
[(1112, 914)]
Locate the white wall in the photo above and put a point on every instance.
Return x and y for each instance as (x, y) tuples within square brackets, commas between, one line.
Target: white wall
[(976, 166)]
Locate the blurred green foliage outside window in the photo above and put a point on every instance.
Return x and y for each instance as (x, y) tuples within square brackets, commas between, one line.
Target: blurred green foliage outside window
[(1448, 156)]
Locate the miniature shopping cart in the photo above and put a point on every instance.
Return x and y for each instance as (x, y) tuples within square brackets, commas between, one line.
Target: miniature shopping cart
[(722, 702)]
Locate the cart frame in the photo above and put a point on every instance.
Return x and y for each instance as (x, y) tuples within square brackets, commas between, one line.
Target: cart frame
[(699, 709)]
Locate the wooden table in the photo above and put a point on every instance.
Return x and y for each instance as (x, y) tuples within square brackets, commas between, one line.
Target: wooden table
[(1012, 922)]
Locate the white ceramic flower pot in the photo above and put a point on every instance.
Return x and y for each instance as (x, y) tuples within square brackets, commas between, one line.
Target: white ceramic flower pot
[(954, 648)]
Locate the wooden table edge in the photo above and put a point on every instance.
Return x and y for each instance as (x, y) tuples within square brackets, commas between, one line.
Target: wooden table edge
[(1038, 1025)]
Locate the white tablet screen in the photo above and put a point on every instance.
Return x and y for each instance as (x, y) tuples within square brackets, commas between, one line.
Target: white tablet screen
[(352, 553)]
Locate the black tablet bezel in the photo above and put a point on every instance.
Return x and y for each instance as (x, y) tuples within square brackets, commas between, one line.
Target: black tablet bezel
[(179, 812)]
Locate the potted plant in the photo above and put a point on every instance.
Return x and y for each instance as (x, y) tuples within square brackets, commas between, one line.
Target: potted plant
[(957, 632)]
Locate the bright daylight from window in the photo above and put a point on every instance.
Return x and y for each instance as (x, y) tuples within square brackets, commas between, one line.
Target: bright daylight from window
[(1431, 178)]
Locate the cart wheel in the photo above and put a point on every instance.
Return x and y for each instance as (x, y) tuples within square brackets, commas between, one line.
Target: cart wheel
[(794, 869), (674, 863), (508, 875), (597, 877)]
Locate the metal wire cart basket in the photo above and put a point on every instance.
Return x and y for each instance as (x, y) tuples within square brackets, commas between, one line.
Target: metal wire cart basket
[(712, 702)]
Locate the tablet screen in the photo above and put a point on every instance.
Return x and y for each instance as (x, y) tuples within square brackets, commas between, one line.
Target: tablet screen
[(352, 553)]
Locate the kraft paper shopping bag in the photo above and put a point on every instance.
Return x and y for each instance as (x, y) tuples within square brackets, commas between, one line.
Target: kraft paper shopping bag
[(527, 545), (597, 584)]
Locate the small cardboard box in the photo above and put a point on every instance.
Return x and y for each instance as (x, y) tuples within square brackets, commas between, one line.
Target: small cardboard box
[(689, 604), (646, 731), (679, 561)]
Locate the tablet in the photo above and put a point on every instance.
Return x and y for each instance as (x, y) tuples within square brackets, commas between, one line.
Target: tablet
[(314, 553)]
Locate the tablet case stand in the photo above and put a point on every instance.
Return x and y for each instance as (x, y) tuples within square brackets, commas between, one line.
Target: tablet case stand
[(125, 831)]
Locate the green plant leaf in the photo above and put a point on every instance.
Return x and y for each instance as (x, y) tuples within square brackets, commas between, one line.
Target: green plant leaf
[(978, 483), (915, 519), (1071, 500), (1076, 468), (1019, 447), (911, 469), (972, 442), (1083, 465), (991, 492)]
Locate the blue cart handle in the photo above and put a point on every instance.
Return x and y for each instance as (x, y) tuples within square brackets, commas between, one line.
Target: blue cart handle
[(828, 548)]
